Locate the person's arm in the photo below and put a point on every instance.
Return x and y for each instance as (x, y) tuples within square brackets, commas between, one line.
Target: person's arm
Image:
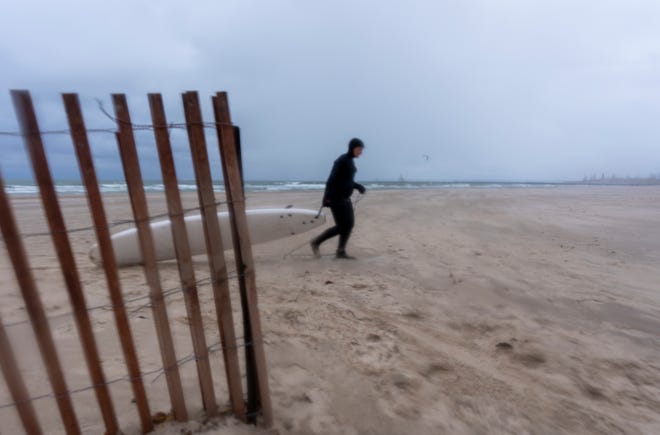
[(360, 188)]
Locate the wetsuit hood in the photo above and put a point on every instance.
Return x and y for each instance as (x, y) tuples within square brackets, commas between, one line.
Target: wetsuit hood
[(354, 143)]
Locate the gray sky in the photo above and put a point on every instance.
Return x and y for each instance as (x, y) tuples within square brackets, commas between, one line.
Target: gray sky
[(488, 89)]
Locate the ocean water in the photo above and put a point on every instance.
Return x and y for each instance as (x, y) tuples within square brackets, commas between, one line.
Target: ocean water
[(64, 187)]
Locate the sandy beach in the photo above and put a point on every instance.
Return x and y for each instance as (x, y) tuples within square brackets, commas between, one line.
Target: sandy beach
[(467, 311)]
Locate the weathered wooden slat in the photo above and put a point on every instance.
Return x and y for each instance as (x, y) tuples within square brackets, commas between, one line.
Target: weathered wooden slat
[(14, 380), (215, 250), (232, 177), (131, 166), (36, 313), (239, 151), (86, 165), (250, 368), (35, 149), (182, 248)]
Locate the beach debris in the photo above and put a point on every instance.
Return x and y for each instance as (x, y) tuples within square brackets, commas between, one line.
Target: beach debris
[(503, 345), (303, 397), (437, 368), (161, 417)]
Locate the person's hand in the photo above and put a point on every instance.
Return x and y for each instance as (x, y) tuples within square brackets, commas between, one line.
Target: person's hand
[(361, 189), (327, 203)]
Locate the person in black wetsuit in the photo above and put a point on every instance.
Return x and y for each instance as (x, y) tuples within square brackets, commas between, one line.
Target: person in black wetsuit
[(337, 196)]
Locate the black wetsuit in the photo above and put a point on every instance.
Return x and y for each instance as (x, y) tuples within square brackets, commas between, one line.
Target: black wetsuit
[(338, 190)]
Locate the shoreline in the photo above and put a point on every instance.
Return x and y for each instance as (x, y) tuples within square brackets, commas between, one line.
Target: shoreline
[(372, 186)]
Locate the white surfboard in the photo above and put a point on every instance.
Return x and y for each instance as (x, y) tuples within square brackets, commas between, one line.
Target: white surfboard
[(264, 225)]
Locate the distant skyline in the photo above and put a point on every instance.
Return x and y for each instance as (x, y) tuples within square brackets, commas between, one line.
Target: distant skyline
[(550, 90)]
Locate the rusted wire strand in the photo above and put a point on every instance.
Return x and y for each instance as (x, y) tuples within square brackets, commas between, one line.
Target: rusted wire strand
[(119, 222), (166, 293), (214, 348), (134, 126)]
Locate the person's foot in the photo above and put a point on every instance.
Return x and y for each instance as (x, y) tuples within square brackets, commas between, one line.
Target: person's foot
[(315, 249), (344, 256)]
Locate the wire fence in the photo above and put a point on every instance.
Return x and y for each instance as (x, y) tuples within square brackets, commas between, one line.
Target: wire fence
[(198, 284), (133, 125), (212, 349), (179, 290), (120, 222), (127, 302), (258, 395)]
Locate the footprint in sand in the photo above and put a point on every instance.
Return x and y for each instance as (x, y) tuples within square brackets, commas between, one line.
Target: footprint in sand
[(413, 315), (293, 316), (504, 346), (374, 353), (624, 380), (302, 391), (437, 369), (529, 358), (474, 329), (399, 393), (373, 337)]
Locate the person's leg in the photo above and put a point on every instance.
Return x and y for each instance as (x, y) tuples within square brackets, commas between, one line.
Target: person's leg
[(347, 220), (330, 232)]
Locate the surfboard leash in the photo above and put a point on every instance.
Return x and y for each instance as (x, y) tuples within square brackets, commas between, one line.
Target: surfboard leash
[(358, 199)]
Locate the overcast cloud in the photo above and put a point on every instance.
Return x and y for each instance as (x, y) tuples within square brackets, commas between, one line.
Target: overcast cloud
[(488, 89)]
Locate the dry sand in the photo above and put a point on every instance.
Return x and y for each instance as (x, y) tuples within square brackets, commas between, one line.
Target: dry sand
[(467, 311)]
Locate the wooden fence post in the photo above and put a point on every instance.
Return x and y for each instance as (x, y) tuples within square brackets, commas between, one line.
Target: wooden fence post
[(232, 178), (182, 248), (34, 145), (215, 250), (36, 312), (14, 380), (250, 369), (135, 185), (86, 165)]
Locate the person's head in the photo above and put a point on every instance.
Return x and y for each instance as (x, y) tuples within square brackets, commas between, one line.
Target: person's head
[(355, 147)]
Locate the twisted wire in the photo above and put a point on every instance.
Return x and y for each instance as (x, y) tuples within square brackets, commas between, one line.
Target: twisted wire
[(213, 348)]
